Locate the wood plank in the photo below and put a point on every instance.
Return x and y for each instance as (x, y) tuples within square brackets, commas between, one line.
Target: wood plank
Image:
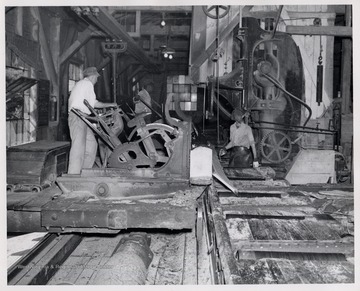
[(298, 246), (8, 133), (288, 271), (307, 272), (95, 263), (88, 258), (271, 226), (341, 31), (102, 264), (157, 246), (335, 272), (258, 229), (69, 271), (82, 38), (179, 9), (264, 214), (229, 270), (12, 132), (276, 271), (88, 271), (97, 245), (190, 259), (19, 131), (281, 230), (238, 229), (320, 230), (171, 264), (311, 14), (297, 231), (255, 272)]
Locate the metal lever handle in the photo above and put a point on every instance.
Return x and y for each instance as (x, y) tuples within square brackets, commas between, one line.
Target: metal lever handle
[(92, 110)]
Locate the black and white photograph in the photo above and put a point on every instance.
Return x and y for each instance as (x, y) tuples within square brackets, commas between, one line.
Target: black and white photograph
[(183, 144)]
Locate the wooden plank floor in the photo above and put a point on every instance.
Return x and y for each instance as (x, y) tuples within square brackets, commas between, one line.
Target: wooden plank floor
[(266, 218), (168, 267)]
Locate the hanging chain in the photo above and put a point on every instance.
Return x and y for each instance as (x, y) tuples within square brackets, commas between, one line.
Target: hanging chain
[(320, 55)]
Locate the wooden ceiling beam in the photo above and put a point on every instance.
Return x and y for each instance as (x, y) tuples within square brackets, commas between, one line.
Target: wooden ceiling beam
[(82, 39), (113, 9), (173, 30), (110, 26), (342, 31)]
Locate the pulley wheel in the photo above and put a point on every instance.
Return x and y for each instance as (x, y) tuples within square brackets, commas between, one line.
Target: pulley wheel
[(276, 147), (216, 11)]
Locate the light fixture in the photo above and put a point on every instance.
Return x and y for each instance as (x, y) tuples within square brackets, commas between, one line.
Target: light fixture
[(77, 10), (167, 52), (95, 11), (86, 11), (163, 23)]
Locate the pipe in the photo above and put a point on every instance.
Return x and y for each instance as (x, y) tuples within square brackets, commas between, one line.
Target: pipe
[(280, 86)]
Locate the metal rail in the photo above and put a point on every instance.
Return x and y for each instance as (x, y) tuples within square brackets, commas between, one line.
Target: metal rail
[(43, 261)]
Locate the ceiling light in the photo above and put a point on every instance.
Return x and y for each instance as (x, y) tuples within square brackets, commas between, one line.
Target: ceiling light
[(162, 23), (86, 11), (166, 55), (170, 57)]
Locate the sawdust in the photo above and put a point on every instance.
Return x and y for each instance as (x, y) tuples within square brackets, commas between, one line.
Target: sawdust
[(238, 229), (187, 198)]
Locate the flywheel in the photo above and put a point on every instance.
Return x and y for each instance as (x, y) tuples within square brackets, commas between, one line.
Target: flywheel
[(216, 11), (276, 146), (151, 147)]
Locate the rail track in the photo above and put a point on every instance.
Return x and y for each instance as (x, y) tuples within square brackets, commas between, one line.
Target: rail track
[(278, 236)]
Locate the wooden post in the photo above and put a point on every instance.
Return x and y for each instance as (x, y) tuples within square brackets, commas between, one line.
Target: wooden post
[(47, 56), (346, 94), (346, 61), (19, 21)]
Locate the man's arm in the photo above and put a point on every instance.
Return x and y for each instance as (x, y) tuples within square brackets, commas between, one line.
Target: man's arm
[(253, 148), (231, 143)]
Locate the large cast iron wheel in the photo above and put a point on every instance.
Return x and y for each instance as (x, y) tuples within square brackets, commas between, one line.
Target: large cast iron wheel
[(216, 12), (275, 147), (133, 154)]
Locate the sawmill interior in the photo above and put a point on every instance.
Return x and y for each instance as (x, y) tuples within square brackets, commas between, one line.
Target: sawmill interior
[(180, 145)]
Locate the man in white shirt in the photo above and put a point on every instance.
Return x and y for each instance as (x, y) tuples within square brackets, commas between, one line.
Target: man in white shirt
[(83, 143), (241, 140)]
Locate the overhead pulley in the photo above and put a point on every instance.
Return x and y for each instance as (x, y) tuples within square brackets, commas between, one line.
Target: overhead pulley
[(216, 11)]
